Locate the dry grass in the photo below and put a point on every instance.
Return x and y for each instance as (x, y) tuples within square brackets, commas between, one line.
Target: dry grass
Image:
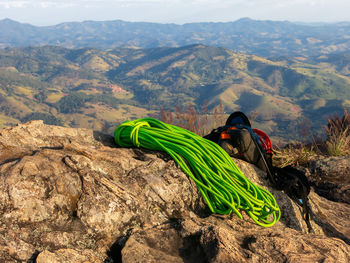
[(296, 155), (338, 135), (200, 122), (337, 143), (189, 119)]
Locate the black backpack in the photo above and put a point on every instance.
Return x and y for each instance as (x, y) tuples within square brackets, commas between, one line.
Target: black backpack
[(239, 140)]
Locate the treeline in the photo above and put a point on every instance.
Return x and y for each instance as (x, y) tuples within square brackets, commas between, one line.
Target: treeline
[(73, 102), (10, 78), (46, 117)]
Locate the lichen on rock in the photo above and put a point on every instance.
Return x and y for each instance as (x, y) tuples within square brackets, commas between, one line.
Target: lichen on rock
[(70, 195)]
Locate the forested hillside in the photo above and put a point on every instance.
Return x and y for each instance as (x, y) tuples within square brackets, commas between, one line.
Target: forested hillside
[(99, 89)]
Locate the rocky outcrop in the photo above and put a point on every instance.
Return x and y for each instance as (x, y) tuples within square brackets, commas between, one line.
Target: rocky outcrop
[(69, 195), (331, 177)]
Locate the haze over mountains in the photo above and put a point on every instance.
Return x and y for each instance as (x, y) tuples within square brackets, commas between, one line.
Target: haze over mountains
[(96, 74), (263, 38)]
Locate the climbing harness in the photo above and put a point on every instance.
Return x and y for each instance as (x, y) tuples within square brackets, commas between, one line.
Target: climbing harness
[(221, 183)]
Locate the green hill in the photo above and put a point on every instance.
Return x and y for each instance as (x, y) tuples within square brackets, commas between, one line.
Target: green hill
[(98, 89)]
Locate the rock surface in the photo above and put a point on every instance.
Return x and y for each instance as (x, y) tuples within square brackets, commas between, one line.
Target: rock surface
[(69, 195), (331, 176)]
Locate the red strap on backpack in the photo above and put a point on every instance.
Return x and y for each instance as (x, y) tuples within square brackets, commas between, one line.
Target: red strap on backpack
[(265, 141)]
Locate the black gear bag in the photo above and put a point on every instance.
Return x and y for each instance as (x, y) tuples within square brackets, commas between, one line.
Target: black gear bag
[(239, 140)]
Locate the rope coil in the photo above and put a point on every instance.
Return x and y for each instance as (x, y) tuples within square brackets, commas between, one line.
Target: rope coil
[(221, 183)]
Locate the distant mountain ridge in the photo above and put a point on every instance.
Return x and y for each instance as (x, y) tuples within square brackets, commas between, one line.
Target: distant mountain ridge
[(263, 38)]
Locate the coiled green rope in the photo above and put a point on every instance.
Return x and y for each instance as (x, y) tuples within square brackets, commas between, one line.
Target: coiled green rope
[(222, 184)]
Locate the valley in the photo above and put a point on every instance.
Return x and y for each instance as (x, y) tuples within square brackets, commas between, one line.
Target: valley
[(99, 89)]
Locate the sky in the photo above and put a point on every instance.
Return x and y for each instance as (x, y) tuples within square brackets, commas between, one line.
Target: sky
[(51, 12)]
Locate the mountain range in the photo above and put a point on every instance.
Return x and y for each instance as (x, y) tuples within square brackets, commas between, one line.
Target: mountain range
[(98, 89), (262, 38)]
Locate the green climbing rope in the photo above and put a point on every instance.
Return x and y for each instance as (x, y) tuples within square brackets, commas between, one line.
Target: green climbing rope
[(223, 186)]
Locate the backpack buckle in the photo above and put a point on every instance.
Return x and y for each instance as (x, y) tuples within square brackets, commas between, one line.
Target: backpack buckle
[(225, 136)]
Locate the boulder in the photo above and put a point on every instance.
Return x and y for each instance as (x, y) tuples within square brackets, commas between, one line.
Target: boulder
[(331, 177), (70, 195)]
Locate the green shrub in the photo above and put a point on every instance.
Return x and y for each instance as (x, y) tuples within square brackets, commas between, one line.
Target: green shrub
[(72, 103), (47, 118)]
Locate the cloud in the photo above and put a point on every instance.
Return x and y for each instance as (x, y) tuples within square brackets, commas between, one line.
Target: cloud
[(37, 4), (49, 4), (203, 4), (13, 4)]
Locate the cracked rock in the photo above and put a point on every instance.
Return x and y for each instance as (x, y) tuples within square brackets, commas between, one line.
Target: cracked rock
[(70, 195)]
